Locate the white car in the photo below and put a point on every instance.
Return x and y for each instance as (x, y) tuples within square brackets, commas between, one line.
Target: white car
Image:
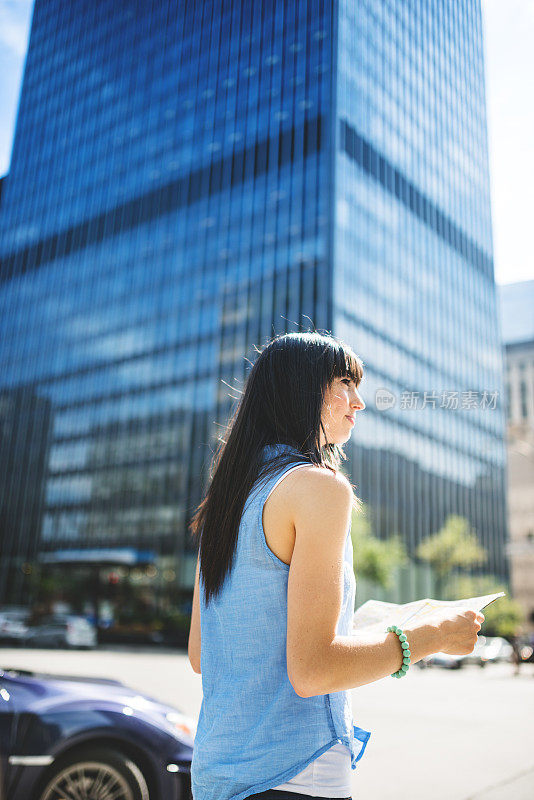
[(497, 648), (62, 630), (13, 624), (440, 659)]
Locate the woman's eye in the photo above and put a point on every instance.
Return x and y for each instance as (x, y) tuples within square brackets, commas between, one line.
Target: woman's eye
[(346, 380)]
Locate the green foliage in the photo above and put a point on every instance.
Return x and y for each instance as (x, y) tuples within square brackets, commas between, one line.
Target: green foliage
[(375, 559), (454, 545), (48, 585), (177, 620), (453, 548)]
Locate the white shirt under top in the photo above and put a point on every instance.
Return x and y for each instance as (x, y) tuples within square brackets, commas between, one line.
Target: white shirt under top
[(326, 776), (329, 775)]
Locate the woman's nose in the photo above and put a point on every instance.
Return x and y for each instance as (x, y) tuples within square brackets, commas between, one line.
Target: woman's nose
[(358, 402)]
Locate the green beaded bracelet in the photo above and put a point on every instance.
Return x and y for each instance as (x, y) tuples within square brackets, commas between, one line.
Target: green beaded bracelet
[(403, 639)]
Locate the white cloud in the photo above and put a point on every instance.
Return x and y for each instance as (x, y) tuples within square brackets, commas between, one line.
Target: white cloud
[(14, 18), (509, 61)]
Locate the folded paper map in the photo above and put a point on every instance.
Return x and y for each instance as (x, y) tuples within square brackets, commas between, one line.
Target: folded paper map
[(376, 613)]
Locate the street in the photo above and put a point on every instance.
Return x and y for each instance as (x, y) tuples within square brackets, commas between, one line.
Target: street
[(466, 734)]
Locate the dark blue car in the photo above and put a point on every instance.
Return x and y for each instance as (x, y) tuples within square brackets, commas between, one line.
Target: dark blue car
[(65, 738)]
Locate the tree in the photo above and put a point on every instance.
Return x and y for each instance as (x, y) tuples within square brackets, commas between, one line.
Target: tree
[(374, 559), (454, 545)]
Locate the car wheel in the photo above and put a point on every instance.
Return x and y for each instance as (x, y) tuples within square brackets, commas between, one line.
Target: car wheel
[(96, 773)]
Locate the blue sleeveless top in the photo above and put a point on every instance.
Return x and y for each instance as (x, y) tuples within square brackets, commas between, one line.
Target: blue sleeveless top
[(254, 731)]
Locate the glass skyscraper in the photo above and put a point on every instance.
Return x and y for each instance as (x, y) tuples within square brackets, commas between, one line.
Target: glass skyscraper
[(413, 283), (188, 179)]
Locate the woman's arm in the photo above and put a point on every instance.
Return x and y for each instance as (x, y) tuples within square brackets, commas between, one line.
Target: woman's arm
[(193, 648), (319, 661)]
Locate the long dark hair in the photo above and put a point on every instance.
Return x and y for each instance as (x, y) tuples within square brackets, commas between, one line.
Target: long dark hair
[(281, 404)]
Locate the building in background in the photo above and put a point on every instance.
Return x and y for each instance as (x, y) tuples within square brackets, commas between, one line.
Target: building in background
[(189, 179), (517, 314), (517, 320), (25, 418)]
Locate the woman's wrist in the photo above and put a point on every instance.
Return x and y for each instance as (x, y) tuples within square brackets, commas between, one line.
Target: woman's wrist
[(425, 639)]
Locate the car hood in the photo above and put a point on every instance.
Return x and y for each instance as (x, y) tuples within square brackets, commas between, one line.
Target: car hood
[(44, 692)]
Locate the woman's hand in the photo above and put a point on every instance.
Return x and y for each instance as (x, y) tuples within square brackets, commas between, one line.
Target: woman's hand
[(458, 629)]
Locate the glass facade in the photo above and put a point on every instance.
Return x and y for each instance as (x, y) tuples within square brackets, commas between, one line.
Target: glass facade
[(413, 280), (188, 179)]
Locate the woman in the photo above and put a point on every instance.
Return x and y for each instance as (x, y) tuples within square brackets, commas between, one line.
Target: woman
[(271, 628)]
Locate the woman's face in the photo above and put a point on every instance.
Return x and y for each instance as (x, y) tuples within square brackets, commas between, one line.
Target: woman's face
[(341, 401)]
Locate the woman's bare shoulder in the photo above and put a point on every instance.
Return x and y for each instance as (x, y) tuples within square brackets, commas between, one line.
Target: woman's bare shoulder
[(317, 499), (313, 479)]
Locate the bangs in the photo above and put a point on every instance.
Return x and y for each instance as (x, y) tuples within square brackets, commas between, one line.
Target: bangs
[(347, 364)]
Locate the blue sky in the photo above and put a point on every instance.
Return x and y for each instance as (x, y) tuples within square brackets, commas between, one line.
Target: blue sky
[(509, 50)]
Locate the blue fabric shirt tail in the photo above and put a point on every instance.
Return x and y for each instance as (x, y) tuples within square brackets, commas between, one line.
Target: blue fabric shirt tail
[(254, 731)]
